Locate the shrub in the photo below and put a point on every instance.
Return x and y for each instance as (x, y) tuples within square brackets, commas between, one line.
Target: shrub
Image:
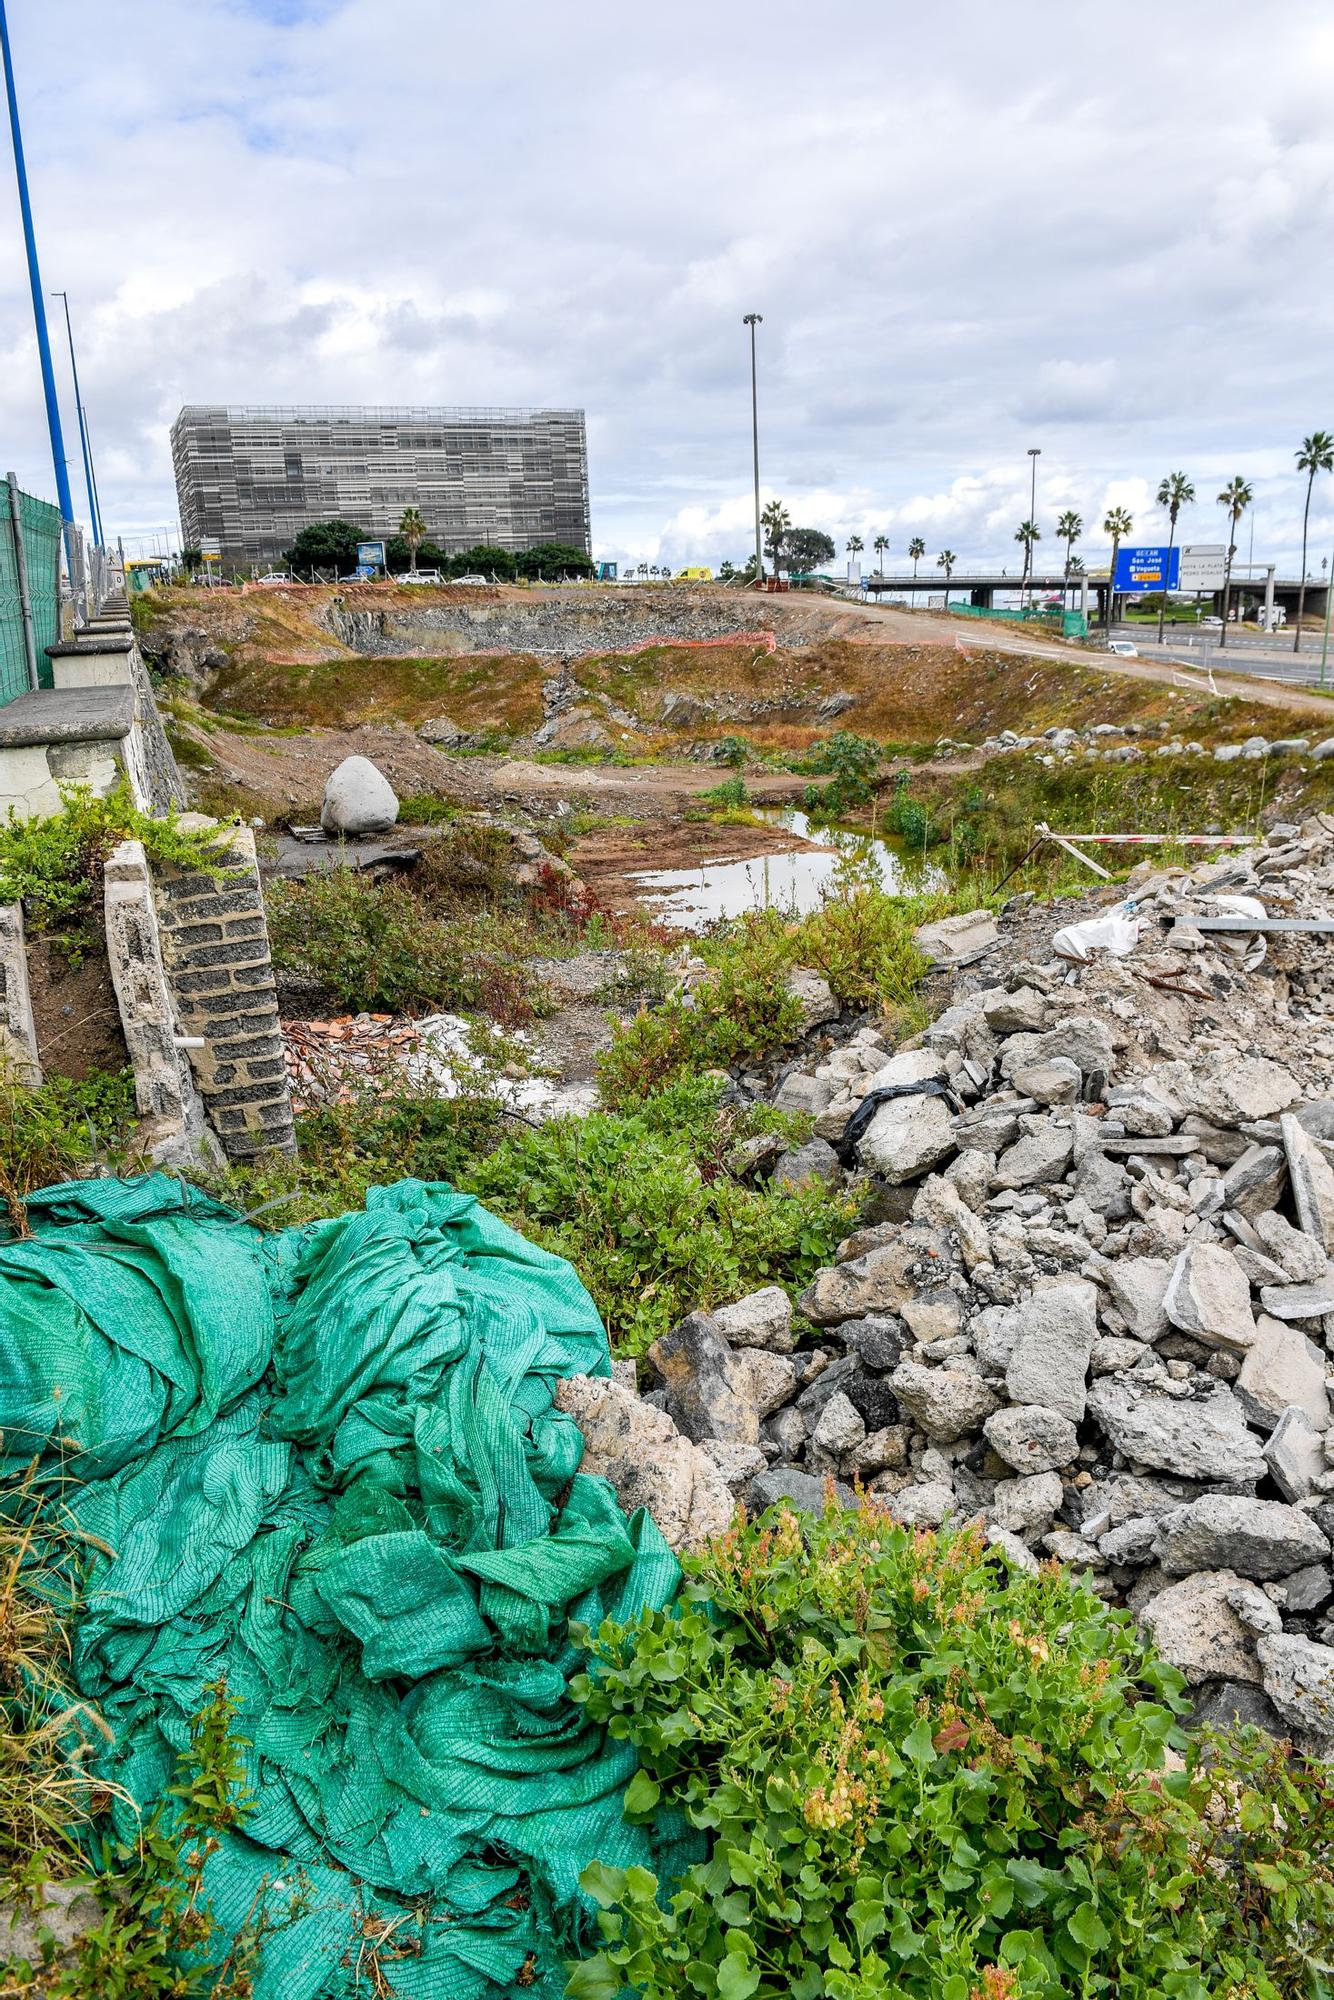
[(54, 1133), (643, 1208), (852, 763), (928, 1774)]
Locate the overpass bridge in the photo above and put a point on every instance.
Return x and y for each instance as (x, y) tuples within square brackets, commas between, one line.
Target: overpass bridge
[(1087, 589)]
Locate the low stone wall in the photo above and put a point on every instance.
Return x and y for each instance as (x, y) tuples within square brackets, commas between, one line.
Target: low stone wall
[(215, 948)]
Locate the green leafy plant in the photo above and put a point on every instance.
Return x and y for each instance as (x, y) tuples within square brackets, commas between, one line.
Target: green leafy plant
[(852, 763), (55, 1132), (927, 1774)]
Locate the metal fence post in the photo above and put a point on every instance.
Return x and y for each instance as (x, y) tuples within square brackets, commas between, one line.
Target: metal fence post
[(21, 571)]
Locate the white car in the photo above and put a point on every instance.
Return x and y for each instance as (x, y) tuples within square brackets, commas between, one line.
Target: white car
[(1213, 624), (470, 579), (1123, 649), (420, 576)]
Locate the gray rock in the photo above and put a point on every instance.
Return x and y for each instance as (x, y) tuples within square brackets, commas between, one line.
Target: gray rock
[(1131, 1544), (1208, 1296), (1022, 1012), (1312, 1182), (1306, 1589), (926, 1504), (1032, 1438), (815, 995), (1049, 1364), (1282, 1367), (1082, 1040), (1323, 749), (885, 1450), (358, 798), (1295, 1454), (808, 1094), (738, 1463), (1111, 1356), (708, 1387), (1225, 1704), (770, 1380), (1195, 1627), (441, 730), (1256, 1538), (1301, 1256), (906, 1137), (1010, 1546), (800, 1489), (67, 1910), (815, 1161), (1104, 1185), (884, 1279), (788, 1430), (1232, 1090), (952, 939), (946, 1403), (1027, 1503), (1254, 1182), (1143, 1115), (1288, 1302), (908, 1066), (877, 1340), (1137, 1286), (873, 1398), (1193, 1439), (641, 1452), (940, 1205), (1299, 1680), (1054, 1082), (761, 1319), (989, 1128), (841, 1430), (1038, 1157)]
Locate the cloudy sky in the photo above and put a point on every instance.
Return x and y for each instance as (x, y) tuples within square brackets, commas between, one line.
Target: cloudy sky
[(970, 229)]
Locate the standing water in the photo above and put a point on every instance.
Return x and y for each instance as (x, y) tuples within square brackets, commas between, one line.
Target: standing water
[(795, 880)]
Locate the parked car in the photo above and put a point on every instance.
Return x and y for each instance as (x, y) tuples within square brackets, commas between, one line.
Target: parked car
[(470, 579), (420, 576), (1212, 624), (1123, 649)]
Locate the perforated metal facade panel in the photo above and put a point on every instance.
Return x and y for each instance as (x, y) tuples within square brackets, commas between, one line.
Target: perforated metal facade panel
[(250, 479)]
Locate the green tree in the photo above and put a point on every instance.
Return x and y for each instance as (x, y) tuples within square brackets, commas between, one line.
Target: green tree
[(880, 544), (776, 523), (325, 545), (855, 545), (1174, 493), (1316, 455), (916, 549), (1027, 532), (1236, 497), (1069, 528), (807, 548), (192, 558), (946, 561), (413, 530), (552, 561), (726, 570), (1116, 523)]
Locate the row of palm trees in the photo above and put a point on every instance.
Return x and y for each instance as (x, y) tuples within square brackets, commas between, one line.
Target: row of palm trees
[(1175, 491)]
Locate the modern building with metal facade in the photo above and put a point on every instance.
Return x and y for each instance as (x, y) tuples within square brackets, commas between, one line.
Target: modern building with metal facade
[(249, 479)]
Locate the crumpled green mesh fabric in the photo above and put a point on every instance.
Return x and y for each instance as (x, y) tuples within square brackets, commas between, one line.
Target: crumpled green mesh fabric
[(330, 1468)]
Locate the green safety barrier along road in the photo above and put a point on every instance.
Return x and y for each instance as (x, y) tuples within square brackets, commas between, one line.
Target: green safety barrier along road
[(329, 1467)]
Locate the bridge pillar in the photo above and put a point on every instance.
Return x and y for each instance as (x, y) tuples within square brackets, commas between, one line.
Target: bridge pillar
[(1269, 599)]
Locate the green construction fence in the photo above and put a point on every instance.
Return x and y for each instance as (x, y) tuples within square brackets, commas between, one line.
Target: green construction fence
[(39, 525)]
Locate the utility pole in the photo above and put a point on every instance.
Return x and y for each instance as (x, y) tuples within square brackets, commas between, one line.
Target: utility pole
[(1324, 647), (83, 425), (752, 320), (1034, 454), (39, 310)]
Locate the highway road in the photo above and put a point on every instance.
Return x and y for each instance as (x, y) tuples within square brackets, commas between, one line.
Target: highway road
[(1268, 656)]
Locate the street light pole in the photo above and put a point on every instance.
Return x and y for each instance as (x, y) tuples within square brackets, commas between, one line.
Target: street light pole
[(1034, 454), (1324, 647), (83, 426), (752, 320), (39, 309)]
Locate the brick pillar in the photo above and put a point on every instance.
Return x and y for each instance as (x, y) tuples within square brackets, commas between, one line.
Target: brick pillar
[(215, 946)]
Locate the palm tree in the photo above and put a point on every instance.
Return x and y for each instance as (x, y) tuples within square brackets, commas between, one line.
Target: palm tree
[(855, 545), (1174, 493), (1316, 455), (916, 549), (413, 530), (1236, 496), (1116, 524), (775, 520), (1069, 528), (946, 561), (880, 544), (1028, 532)]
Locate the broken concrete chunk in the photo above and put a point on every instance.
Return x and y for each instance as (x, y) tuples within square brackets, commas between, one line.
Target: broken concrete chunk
[(761, 1319), (769, 1380), (1026, 1504), (1039, 1157), (1232, 1090), (1022, 1012), (953, 939), (645, 1458), (907, 1067), (946, 1403), (1303, 1302), (841, 1430), (1194, 1626), (1031, 1438), (1299, 1680), (1050, 1360), (1312, 1182), (1208, 1296), (906, 1137), (708, 1388), (1301, 1255), (1138, 1286), (1256, 1538), (1192, 1439), (815, 996), (1082, 1040), (1255, 1181), (1054, 1082), (1295, 1454), (1282, 1367)]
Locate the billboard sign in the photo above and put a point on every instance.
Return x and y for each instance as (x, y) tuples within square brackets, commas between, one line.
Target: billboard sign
[(1147, 569), (1203, 565), (370, 557)]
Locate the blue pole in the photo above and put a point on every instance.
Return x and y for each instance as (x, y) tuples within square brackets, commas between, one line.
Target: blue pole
[(83, 427), (39, 307)]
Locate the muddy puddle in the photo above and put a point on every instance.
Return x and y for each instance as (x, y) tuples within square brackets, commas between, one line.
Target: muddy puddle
[(794, 880)]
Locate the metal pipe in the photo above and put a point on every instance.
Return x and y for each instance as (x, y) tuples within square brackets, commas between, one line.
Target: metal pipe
[(38, 305), (83, 427)]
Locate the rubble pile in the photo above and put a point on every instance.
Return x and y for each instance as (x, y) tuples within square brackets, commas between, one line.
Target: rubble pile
[(1123, 743), (1094, 1304)]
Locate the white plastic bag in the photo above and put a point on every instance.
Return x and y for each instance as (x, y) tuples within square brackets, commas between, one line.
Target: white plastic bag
[(1117, 933)]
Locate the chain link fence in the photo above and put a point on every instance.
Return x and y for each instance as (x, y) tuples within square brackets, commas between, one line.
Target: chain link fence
[(29, 590)]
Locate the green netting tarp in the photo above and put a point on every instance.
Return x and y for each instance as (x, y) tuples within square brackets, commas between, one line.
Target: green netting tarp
[(330, 1468)]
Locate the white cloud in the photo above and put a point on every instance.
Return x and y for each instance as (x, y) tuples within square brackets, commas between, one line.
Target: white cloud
[(958, 253)]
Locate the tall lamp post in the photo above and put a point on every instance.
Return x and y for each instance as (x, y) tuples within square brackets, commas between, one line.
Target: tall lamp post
[(1034, 454), (39, 309), (1324, 648), (752, 320), (83, 426)]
